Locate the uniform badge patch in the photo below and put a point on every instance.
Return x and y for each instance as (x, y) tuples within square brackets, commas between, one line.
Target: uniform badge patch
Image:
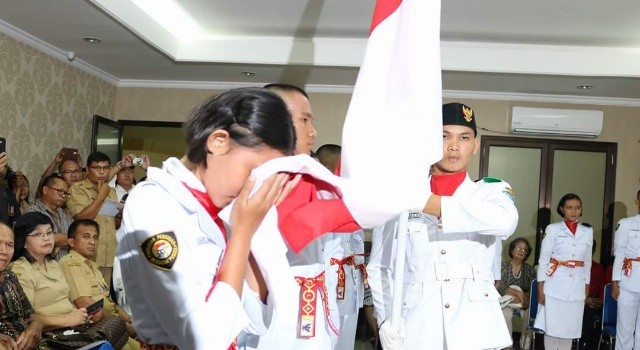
[(509, 192), (161, 250)]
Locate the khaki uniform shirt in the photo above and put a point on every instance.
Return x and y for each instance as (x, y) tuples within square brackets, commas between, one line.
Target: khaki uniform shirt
[(82, 194), (47, 290), (85, 280)]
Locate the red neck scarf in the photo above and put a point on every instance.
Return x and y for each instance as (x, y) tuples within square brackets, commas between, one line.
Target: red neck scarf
[(572, 225), (446, 184), (204, 199)]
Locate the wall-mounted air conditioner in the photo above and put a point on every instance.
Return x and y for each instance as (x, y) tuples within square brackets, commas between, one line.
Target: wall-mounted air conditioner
[(556, 122)]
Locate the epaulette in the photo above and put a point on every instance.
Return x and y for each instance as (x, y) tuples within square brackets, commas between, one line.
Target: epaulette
[(585, 224), (491, 179), (73, 263)]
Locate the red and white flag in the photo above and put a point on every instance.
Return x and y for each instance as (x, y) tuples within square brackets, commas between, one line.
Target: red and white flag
[(395, 115)]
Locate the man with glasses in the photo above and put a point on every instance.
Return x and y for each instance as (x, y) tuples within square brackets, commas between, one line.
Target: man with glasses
[(55, 191), (87, 198)]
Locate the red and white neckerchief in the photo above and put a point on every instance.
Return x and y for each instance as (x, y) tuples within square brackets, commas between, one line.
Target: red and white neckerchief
[(447, 184), (572, 226), (204, 200)]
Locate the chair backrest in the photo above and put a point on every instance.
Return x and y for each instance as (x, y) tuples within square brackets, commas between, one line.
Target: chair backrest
[(609, 307), (533, 301)]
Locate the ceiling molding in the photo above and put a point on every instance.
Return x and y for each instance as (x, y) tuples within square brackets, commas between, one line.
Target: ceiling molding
[(346, 89), (55, 52)]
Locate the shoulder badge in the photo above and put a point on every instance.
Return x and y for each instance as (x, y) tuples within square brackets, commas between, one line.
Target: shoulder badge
[(585, 224), (491, 179), (509, 192), (161, 250)]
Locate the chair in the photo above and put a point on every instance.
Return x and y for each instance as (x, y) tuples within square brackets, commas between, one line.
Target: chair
[(98, 345), (609, 316), (533, 311)]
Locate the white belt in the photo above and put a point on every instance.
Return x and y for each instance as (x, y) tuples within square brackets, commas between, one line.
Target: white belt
[(445, 271)]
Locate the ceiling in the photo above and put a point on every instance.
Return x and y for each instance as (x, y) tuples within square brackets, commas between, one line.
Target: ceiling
[(502, 49)]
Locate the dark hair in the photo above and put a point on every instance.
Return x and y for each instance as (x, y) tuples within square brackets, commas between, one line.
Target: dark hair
[(97, 157), (73, 228), (564, 199), (251, 116), (25, 225), (328, 148), (513, 243), (49, 180), (638, 195), (282, 87)]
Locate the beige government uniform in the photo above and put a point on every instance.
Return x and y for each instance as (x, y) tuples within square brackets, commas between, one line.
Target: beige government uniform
[(47, 290), (82, 194), (85, 280)]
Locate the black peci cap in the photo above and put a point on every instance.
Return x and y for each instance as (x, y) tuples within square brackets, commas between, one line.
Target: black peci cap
[(458, 114)]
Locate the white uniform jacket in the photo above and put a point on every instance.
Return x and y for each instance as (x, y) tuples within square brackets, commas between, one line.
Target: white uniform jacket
[(169, 250), (449, 294), (559, 243), (279, 264), (627, 245)]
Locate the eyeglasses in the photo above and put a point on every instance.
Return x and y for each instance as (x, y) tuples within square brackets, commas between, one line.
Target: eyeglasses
[(68, 172), (61, 192), (100, 168), (41, 235), (521, 249)]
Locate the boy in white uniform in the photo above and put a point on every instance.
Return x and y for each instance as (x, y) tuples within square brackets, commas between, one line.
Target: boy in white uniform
[(449, 298), (626, 281)]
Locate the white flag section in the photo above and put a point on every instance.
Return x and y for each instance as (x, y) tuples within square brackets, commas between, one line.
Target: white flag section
[(395, 116)]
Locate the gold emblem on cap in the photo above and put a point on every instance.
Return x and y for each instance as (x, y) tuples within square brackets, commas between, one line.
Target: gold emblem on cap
[(468, 114)]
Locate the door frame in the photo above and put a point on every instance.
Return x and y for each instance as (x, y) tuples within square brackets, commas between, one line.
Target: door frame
[(548, 147)]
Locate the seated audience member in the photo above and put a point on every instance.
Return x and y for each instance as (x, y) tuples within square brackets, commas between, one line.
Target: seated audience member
[(516, 277), (40, 275), (55, 191), (86, 284), (18, 327), (593, 305), (9, 208), (21, 191)]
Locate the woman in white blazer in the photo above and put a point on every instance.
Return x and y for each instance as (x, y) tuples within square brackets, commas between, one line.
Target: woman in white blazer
[(563, 275)]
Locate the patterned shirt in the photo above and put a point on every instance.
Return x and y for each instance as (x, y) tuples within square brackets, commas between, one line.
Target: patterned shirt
[(523, 280), (15, 308)]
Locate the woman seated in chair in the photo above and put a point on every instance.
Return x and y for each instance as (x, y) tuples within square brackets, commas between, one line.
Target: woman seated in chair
[(18, 327), (516, 281), (40, 275)]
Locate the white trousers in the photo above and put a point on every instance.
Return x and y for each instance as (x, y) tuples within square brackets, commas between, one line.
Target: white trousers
[(347, 336), (627, 321), (553, 343)]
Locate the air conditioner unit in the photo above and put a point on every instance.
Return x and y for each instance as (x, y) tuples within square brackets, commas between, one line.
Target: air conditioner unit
[(556, 122)]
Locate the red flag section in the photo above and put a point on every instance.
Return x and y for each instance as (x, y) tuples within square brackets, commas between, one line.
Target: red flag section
[(303, 217), (383, 9)]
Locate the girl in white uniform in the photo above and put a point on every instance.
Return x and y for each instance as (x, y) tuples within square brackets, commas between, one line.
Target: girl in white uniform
[(183, 272), (563, 275)]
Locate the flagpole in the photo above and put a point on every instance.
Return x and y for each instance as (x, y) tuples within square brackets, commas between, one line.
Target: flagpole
[(398, 278)]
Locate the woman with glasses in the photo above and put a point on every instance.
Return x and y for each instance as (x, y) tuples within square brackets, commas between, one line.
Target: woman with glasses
[(40, 275), (516, 281), (564, 272)]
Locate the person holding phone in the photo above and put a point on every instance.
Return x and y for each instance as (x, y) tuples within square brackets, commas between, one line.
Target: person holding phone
[(86, 284)]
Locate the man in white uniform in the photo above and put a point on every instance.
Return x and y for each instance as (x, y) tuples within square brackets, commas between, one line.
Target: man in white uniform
[(626, 281), (449, 298)]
